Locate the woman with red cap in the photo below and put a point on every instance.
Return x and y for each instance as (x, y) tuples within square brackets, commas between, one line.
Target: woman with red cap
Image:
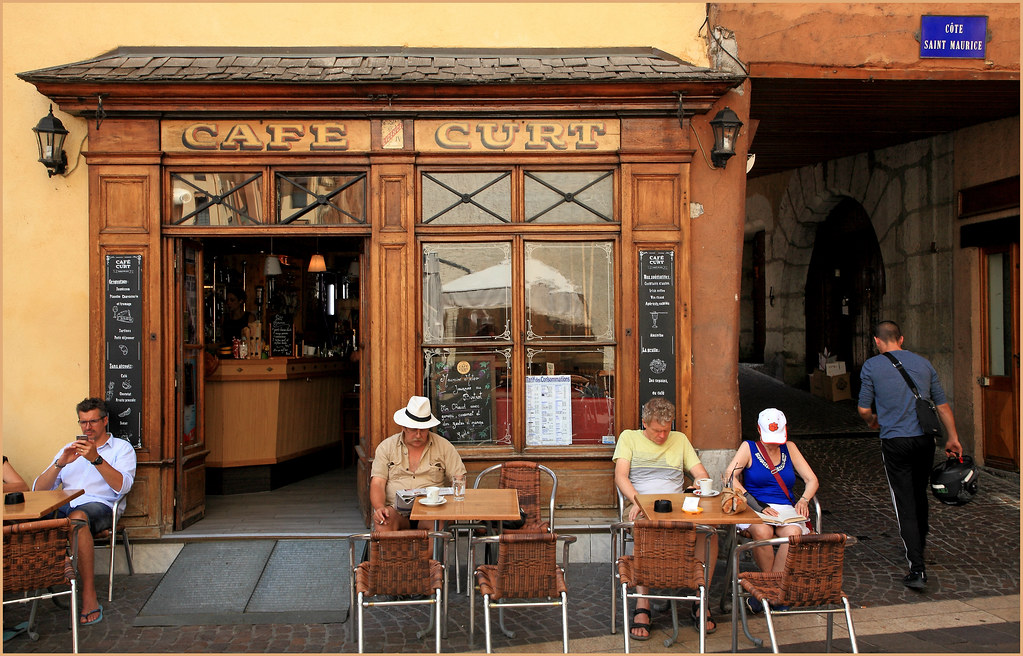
[(766, 472)]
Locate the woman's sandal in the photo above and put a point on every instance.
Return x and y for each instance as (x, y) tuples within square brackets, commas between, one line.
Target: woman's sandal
[(640, 625), (712, 626)]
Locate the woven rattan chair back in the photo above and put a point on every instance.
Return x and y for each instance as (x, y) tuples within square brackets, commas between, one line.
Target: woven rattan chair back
[(813, 570), (399, 564), (525, 478), (37, 555), (527, 567), (664, 555)]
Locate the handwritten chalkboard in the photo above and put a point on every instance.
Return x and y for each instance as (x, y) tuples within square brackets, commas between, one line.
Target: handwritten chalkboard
[(656, 325), (462, 393), (282, 335), (123, 340)]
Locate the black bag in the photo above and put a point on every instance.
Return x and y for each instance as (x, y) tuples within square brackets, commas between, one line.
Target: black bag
[(926, 413)]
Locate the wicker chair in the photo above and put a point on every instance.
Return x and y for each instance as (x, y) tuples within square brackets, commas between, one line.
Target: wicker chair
[(525, 477), (665, 558), (526, 568), (812, 578), (38, 555), (399, 564)]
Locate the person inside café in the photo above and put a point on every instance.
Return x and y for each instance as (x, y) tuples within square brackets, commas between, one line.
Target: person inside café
[(413, 458), (765, 471), (655, 460), (236, 316), (105, 468), (13, 482)]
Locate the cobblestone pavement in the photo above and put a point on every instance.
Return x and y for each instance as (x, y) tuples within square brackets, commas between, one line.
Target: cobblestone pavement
[(973, 565)]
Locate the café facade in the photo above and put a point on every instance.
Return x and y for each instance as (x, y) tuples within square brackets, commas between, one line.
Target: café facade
[(285, 244)]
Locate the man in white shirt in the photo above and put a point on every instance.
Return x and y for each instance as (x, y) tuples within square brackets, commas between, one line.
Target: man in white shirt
[(105, 468)]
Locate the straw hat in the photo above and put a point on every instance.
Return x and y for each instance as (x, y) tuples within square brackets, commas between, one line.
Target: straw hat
[(416, 414)]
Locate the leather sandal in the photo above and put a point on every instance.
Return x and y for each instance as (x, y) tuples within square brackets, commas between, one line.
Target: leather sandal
[(694, 610), (640, 625)]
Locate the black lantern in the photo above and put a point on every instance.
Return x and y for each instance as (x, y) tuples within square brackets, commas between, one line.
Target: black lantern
[(726, 128), (50, 135)]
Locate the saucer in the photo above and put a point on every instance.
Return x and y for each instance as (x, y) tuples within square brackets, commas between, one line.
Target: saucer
[(712, 493), (439, 502)]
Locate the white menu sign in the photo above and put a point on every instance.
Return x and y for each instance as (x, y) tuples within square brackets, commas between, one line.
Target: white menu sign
[(548, 410)]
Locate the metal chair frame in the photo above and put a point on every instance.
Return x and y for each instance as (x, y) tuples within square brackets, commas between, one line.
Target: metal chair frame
[(33, 582), (501, 605), (438, 619), (701, 590), (740, 608)]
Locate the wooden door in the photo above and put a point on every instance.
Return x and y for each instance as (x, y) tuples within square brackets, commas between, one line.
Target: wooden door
[(189, 370), (1000, 364)]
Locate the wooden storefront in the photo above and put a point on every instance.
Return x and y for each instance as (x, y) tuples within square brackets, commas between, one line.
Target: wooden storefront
[(517, 247)]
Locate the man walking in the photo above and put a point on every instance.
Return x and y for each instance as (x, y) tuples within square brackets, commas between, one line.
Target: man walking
[(907, 453)]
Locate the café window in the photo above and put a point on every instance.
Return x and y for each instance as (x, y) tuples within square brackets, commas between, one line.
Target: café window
[(470, 340), (321, 199), (217, 199)]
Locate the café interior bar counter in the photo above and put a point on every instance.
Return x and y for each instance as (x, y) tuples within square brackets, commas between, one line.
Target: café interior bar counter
[(270, 422)]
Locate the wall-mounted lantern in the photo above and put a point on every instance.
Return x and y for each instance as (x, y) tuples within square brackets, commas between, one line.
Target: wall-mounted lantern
[(50, 135), (726, 128)]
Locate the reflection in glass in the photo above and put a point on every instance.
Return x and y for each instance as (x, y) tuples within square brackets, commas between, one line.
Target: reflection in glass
[(470, 392), (591, 373), (570, 290), (569, 196), (999, 314), (466, 198), (466, 292), (321, 199), (216, 199)]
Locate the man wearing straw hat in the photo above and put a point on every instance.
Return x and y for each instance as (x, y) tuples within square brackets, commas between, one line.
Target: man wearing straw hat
[(411, 459)]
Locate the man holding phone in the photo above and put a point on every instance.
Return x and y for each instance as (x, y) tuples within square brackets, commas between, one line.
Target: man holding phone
[(105, 469)]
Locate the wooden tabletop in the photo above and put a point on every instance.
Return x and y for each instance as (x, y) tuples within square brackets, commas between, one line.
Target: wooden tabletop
[(711, 515), (479, 504), (38, 504)]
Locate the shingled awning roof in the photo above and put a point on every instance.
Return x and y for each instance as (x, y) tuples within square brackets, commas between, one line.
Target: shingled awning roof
[(400, 65)]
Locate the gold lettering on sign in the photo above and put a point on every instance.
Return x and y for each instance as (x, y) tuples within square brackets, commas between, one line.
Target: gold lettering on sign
[(241, 137), (329, 136), (199, 137), (282, 135), (518, 135)]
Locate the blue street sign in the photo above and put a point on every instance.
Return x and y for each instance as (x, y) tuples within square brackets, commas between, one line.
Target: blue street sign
[(959, 37)]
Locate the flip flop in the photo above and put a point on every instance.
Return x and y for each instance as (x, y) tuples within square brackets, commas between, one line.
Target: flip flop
[(712, 626), (86, 616), (640, 625)]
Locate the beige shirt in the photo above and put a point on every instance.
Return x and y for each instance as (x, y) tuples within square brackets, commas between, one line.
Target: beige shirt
[(439, 463)]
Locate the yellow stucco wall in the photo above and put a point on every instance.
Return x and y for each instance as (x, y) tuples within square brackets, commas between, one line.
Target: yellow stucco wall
[(45, 220)]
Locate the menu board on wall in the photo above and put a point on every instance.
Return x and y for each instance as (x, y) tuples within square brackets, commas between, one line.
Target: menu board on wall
[(548, 410), (656, 325), (123, 341), (462, 394), (282, 335)]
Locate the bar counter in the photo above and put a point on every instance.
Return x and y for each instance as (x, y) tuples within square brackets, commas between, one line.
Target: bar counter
[(261, 413)]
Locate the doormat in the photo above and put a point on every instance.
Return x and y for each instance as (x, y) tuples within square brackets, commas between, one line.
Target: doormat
[(252, 582)]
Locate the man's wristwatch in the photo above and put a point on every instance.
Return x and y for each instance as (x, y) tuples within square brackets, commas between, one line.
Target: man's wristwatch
[(98, 461)]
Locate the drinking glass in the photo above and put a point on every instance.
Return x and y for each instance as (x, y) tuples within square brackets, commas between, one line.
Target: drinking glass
[(458, 487)]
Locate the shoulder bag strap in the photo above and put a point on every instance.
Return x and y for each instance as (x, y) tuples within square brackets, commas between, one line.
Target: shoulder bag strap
[(905, 374), (777, 476)]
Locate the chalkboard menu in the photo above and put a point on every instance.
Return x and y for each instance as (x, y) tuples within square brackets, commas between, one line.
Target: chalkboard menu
[(123, 340), (282, 335), (462, 393), (656, 325)]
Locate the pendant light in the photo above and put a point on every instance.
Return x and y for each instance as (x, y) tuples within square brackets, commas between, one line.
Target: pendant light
[(316, 262), (272, 265)]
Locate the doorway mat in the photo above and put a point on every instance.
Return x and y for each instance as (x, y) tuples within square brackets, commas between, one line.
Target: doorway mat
[(252, 582)]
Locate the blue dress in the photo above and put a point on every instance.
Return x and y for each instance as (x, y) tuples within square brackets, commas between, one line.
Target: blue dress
[(761, 483)]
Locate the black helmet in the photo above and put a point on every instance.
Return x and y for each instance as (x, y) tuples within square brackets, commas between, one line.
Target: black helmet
[(954, 482)]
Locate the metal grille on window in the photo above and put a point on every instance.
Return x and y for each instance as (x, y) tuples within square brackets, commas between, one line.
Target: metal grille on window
[(321, 199), (569, 196), (467, 198), (216, 199)]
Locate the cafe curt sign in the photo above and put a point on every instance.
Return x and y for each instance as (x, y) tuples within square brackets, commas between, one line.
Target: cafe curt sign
[(429, 136)]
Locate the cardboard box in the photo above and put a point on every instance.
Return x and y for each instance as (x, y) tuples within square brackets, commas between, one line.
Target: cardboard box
[(834, 368), (832, 388)]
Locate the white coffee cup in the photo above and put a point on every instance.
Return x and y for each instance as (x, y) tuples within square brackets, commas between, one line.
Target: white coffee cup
[(432, 494), (706, 485)]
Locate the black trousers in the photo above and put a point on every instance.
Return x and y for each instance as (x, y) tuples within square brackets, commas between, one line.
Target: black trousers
[(908, 462)]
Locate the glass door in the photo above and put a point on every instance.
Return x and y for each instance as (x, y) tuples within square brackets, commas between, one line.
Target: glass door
[(1000, 377)]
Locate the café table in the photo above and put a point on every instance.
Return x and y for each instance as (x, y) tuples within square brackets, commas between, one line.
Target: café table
[(38, 504)]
